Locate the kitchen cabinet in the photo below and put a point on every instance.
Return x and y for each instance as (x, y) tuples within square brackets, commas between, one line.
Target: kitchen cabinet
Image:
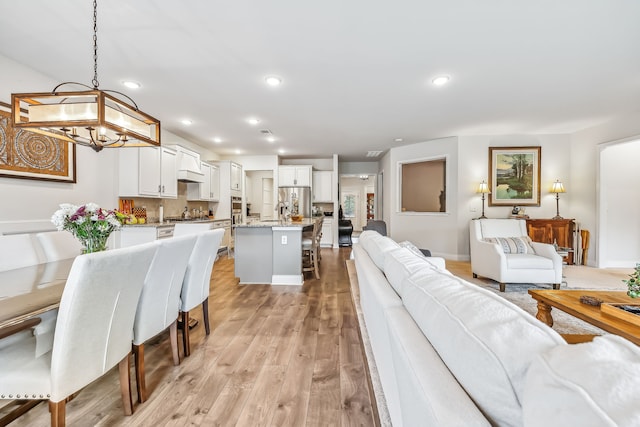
[(236, 177), (327, 233), (559, 231), (322, 186), (209, 190), (226, 238), (294, 176), (147, 172)]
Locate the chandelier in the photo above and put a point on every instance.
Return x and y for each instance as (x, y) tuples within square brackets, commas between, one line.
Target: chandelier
[(94, 118)]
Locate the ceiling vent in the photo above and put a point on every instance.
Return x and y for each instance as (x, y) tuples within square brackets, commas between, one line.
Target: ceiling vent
[(266, 132), (373, 153)]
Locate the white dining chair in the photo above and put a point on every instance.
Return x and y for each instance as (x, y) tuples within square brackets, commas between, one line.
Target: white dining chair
[(58, 245), (197, 279), (159, 305), (93, 333)]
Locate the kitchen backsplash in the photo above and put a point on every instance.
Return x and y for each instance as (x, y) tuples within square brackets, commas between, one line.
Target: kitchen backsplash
[(171, 207)]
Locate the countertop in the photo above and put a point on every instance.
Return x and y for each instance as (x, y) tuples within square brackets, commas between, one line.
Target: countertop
[(171, 223), (277, 223)]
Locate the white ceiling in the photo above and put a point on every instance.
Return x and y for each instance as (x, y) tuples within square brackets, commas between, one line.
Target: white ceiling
[(356, 73)]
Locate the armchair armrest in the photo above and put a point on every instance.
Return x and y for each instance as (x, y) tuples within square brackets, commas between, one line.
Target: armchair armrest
[(548, 251)]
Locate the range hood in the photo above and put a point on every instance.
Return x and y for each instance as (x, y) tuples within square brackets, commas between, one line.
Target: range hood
[(188, 164)]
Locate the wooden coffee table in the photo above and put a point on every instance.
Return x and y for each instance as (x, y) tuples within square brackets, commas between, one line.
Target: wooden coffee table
[(569, 302)]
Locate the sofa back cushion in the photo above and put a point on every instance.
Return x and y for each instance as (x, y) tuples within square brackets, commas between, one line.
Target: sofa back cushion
[(589, 385), (376, 246), (487, 342), (401, 263)]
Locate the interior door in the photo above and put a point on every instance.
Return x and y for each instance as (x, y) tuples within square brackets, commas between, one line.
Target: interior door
[(351, 208)]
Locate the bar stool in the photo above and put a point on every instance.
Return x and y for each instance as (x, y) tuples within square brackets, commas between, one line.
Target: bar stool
[(310, 251)]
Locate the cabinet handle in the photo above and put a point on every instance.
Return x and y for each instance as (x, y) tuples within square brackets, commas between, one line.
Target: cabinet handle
[(159, 189), (163, 188)]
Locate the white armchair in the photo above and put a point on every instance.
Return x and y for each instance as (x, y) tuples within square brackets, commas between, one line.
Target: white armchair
[(511, 261)]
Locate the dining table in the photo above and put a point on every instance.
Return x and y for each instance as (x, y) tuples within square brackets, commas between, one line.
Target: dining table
[(30, 291)]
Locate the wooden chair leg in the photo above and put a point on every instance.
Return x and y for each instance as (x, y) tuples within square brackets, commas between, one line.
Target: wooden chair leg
[(205, 315), (185, 334), (138, 358), (316, 270), (173, 337), (125, 384), (502, 287), (556, 285), (58, 412)]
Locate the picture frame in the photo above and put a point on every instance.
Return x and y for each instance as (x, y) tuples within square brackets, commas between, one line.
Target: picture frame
[(34, 154), (514, 176)]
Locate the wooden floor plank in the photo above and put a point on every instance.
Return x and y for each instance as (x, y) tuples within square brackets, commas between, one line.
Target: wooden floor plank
[(276, 356)]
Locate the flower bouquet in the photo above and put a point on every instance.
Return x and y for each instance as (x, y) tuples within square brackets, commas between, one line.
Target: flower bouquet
[(89, 223)]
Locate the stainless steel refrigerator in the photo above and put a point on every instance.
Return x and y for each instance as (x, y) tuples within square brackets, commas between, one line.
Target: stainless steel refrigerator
[(292, 197)]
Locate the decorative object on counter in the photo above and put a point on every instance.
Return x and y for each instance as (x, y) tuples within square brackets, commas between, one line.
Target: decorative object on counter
[(483, 188), (93, 117), (89, 223), (633, 283), (29, 155), (126, 206), (589, 300), (557, 188)]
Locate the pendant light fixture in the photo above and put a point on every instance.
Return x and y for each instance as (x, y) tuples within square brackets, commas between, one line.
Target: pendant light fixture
[(93, 117)]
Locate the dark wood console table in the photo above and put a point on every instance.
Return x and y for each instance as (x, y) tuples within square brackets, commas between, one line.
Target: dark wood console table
[(550, 230)]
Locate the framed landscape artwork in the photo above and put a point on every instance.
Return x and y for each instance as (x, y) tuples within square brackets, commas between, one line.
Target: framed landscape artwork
[(514, 176), (31, 155)]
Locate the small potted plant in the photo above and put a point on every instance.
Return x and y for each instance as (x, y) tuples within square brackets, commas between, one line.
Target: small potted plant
[(633, 283)]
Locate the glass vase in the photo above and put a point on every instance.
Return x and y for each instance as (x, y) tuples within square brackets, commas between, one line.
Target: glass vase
[(94, 244)]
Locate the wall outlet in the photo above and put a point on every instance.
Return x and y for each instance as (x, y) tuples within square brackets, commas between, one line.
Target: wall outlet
[(284, 240)]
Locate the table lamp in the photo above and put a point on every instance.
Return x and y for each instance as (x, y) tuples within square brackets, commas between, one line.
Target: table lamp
[(483, 189), (557, 188)]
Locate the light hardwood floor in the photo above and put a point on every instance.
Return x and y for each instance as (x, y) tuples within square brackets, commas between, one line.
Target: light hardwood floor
[(276, 356)]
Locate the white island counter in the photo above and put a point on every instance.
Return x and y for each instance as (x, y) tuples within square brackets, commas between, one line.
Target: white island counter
[(270, 252)]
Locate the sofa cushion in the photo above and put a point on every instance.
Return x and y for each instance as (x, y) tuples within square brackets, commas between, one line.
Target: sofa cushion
[(377, 246), (513, 245), (487, 342), (429, 393), (589, 385), (401, 263)]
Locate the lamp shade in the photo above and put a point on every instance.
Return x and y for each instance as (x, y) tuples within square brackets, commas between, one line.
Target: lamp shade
[(483, 188), (558, 187)]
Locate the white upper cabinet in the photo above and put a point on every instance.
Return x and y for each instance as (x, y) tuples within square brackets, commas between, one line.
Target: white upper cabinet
[(236, 177), (294, 176), (147, 172), (322, 186), (209, 189)]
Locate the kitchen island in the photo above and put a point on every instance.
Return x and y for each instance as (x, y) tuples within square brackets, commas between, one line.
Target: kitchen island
[(270, 252)]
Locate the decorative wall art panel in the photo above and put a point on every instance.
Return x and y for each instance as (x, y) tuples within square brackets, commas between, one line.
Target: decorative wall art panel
[(30, 155), (514, 176)]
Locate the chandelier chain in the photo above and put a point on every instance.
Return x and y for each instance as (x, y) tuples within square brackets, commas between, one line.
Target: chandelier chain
[(95, 45)]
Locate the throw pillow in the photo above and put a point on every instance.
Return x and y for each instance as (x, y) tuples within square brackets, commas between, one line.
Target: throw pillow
[(413, 248), (513, 245)]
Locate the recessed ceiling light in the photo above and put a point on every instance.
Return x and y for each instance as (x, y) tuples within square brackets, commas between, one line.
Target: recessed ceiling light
[(186, 122), (131, 84), (253, 121), (281, 151), (440, 80), (217, 140), (271, 139), (238, 151), (398, 140), (273, 81)]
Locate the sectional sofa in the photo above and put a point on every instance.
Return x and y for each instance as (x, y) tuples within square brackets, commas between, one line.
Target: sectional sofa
[(449, 353)]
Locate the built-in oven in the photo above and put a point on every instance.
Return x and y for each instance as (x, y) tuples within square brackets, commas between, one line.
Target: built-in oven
[(236, 210)]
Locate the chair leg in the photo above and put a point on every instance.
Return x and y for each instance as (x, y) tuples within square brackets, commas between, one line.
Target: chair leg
[(138, 358), (315, 263), (125, 384), (58, 412), (205, 315), (502, 287), (475, 276), (556, 285), (185, 334), (173, 337)]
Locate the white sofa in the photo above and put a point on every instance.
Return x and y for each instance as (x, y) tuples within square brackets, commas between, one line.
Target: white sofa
[(449, 353), (501, 250)]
